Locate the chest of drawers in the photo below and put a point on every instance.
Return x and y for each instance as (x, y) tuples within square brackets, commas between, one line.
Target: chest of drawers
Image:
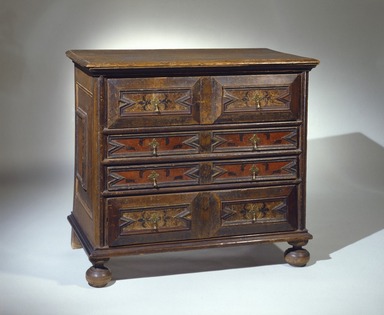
[(188, 149)]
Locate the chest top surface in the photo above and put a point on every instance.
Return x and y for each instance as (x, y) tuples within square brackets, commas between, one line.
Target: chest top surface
[(97, 60)]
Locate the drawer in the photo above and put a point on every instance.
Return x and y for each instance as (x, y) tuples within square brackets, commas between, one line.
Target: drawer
[(178, 101), (153, 176), (211, 141), (260, 210), (257, 98), (140, 102), (255, 140), (153, 144), (255, 170), (152, 218), (199, 215), (161, 176)]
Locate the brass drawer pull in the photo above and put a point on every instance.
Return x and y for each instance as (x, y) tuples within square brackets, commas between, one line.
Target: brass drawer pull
[(255, 140), (155, 221), (155, 103), (254, 171), (252, 209), (257, 101), (154, 145), (153, 177), (253, 213)]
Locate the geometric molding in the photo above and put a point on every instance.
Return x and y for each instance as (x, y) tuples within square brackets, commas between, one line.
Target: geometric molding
[(256, 98), (253, 212), (149, 145), (155, 101), (193, 142), (291, 137), (155, 219)]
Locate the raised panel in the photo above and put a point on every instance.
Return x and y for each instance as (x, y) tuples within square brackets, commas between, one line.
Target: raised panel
[(139, 102), (154, 218), (82, 147), (257, 97), (253, 211), (259, 210), (84, 100), (146, 102)]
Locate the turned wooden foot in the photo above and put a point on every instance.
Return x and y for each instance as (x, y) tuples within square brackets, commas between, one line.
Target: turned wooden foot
[(98, 275), (296, 255)]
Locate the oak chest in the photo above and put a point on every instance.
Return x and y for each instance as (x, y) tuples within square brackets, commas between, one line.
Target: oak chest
[(187, 149)]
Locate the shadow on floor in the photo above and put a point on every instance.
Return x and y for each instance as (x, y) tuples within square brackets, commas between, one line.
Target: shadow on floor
[(345, 193), (153, 265)]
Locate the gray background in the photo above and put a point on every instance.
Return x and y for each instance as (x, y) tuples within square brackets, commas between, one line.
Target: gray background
[(41, 274), (36, 83)]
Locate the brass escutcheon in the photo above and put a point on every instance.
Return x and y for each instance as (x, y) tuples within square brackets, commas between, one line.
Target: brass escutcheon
[(257, 101), (153, 177), (154, 145), (254, 171), (155, 103), (252, 209), (255, 140), (155, 220)]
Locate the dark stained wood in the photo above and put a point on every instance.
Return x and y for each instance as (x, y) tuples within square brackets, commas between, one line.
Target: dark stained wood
[(187, 149)]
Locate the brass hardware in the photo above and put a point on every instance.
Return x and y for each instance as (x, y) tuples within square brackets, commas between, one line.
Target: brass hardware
[(154, 220), (252, 209), (155, 103), (255, 171), (257, 210), (253, 212), (154, 145), (257, 100), (153, 177), (255, 141)]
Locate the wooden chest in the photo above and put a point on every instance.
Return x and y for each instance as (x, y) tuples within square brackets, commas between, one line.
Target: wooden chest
[(187, 149)]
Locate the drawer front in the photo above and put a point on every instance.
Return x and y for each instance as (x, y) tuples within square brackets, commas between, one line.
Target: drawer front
[(153, 176), (169, 217), (259, 210), (188, 174), (257, 98), (153, 102), (175, 101), (211, 141), (254, 170), (153, 218), (152, 145), (256, 140)]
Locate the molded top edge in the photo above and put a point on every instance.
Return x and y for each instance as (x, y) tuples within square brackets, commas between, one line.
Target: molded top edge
[(185, 58)]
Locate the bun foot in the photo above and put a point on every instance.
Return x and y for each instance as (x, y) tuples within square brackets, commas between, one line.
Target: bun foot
[(296, 255), (98, 275)]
